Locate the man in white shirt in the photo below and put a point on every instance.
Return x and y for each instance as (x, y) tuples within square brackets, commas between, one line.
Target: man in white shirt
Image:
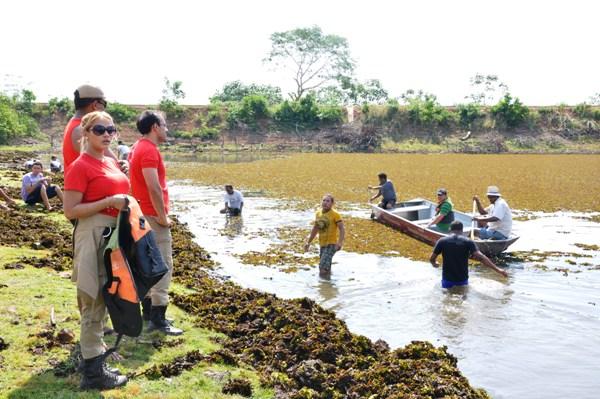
[(497, 216), (234, 201), (122, 151)]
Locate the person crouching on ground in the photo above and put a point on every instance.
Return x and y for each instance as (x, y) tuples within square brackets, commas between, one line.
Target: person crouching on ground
[(36, 188), (386, 191), (95, 191), (327, 223), (234, 201), (456, 250), (149, 187)]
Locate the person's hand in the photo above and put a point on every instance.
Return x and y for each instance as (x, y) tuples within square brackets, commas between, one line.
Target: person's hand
[(475, 198), (224, 210), (124, 165), (370, 187), (164, 221), (338, 246), (47, 179), (503, 272), (435, 264), (306, 247), (117, 201)]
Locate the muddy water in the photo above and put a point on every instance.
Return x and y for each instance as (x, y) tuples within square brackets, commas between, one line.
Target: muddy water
[(533, 335)]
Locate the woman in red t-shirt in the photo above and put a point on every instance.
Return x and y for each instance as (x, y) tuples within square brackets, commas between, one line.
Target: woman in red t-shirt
[(95, 190)]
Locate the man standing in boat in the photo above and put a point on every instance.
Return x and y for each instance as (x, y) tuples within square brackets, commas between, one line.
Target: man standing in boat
[(327, 223), (385, 190), (444, 215), (456, 250), (496, 218)]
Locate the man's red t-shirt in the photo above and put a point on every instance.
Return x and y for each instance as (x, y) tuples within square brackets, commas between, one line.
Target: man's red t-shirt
[(69, 153), (97, 180), (145, 155)]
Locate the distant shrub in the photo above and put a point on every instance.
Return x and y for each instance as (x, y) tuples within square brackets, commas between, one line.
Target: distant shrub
[(330, 114), (424, 110), (298, 114), (121, 113), (62, 106), (207, 133), (511, 112), (467, 114), (392, 109), (236, 91), (171, 108), (13, 121), (526, 142)]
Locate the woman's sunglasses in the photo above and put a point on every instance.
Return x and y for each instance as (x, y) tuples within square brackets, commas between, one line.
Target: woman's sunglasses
[(99, 130)]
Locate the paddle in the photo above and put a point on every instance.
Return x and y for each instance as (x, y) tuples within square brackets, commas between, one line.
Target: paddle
[(473, 220)]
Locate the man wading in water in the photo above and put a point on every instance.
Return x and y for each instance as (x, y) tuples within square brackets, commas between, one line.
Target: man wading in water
[(327, 223), (456, 250)]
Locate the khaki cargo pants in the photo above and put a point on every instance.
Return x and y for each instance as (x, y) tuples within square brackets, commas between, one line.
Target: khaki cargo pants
[(159, 293), (89, 274)]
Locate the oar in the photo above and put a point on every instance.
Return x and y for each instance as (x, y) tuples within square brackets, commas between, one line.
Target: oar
[(473, 220)]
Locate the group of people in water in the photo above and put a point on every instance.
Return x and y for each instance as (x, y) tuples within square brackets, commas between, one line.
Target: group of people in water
[(98, 182)]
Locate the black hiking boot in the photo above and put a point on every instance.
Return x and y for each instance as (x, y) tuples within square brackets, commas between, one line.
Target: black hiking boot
[(146, 308), (160, 323), (96, 376)]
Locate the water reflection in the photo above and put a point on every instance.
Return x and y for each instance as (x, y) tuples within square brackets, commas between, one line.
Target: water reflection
[(533, 335), (234, 226)]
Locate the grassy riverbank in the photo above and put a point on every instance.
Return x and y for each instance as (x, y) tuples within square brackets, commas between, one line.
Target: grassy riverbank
[(235, 337)]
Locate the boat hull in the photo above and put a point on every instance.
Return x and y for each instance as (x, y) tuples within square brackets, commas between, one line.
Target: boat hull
[(410, 217)]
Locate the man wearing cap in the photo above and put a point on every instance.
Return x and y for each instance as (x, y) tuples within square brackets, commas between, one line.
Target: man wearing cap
[(87, 99), (444, 215), (456, 249), (497, 217)]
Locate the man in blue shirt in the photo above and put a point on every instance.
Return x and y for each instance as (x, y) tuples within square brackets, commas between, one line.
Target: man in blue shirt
[(386, 190), (456, 250)]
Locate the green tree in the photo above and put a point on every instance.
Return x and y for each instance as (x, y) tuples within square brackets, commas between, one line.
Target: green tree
[(235, 91), (352, 92), (510, 111), (171, 94), (313, 57), (424, 109)]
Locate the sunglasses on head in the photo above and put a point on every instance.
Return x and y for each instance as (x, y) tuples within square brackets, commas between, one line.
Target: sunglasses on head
[(102, 101), (99, 130)]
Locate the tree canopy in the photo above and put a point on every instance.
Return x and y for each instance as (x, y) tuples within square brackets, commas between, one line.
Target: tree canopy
[(313, 57)]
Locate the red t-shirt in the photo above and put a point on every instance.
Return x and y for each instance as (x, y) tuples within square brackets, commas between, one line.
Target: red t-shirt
[(96, 179), (69, 153), (144, 154)]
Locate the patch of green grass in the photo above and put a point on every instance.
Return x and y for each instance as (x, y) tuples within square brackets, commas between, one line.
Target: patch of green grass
[(27, 297), (38, 147)]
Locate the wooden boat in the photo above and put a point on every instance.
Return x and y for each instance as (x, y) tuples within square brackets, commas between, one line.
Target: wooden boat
[(411, 217)]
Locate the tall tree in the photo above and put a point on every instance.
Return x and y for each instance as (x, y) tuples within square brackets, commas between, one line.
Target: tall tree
[(313, 57), (487, 89)]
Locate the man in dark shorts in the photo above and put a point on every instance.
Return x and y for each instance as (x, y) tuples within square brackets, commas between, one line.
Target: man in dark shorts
[(385, 190), (35, 187), (456, 250)]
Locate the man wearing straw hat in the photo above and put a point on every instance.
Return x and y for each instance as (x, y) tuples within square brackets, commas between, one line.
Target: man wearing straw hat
[(496, 218)]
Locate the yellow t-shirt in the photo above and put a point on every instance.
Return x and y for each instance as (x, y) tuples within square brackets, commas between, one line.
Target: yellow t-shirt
[(327, 224)]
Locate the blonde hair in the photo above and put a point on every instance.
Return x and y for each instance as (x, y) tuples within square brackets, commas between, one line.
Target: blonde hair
[(88, 121)]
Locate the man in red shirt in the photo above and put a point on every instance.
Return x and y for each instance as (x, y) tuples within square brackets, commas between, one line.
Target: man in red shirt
[(149, 187), (87, 99)]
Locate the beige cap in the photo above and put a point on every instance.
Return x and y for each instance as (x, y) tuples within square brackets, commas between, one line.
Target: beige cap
[(87, 91)]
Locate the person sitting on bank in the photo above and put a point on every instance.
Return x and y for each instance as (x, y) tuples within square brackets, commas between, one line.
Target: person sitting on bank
[(234, 201), (444, 215), (496, 218), (385, 190), (9, 201), (36, 188), (456, 250), (55, 165)]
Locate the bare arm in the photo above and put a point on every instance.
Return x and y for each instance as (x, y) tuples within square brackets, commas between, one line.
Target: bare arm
[(437, 219), (480, 207), (433, 259), (30, 187), (76, 135), (312, 235), (74, 209), (487, 262), (375, 196), (340, 242), (156, 197)]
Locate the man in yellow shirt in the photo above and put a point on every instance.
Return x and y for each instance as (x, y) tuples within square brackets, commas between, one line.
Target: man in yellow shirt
[(327, 223)]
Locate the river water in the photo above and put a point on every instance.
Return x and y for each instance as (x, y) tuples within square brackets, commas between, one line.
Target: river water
[(533, 335)]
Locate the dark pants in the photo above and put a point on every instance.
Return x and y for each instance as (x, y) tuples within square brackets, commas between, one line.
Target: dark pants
[(35, 196), (384, 204), (234, 211)]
